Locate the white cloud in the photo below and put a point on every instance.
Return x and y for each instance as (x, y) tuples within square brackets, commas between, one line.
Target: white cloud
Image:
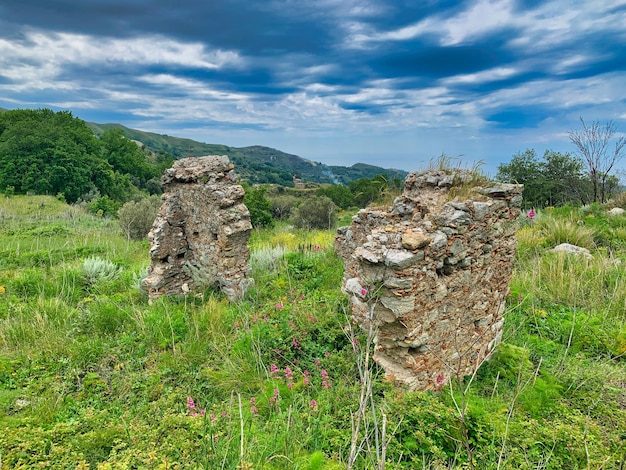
[(42, 56), (498, 73)]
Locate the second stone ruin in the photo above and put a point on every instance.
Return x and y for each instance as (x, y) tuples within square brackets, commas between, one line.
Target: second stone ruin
[(430, 274)]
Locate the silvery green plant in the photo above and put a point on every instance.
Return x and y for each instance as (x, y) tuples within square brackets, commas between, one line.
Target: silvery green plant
[(96, 269)]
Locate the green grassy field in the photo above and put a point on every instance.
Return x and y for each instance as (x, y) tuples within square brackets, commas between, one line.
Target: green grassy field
[(93, 376)]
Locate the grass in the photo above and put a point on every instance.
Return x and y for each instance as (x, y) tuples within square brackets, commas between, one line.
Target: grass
[(92, 376)]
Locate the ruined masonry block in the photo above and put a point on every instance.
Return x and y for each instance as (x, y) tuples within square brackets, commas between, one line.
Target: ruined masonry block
[(431, 272), (200, 236)]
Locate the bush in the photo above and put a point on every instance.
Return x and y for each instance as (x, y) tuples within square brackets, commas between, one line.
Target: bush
[(282, 206), (136, 218), (259, 206), (316, 212)]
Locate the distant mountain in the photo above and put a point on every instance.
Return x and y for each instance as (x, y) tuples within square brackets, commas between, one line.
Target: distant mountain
[(256, 164)]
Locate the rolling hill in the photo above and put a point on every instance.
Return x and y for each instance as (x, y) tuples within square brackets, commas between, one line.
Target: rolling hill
[(255, 164)]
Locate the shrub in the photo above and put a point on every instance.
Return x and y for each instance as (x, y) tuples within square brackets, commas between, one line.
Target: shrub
[(136, 218), (259, 206), (316, 212), (283, 205)]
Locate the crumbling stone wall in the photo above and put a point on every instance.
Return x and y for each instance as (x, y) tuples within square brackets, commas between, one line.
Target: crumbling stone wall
[(430, 274), (199, 238)]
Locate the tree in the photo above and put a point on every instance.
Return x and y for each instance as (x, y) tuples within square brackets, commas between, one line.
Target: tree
[(339, 194), (315, 212), (259, 206), (555, 180), (366, 190), (48, 153), (524, 168), (593, 146)]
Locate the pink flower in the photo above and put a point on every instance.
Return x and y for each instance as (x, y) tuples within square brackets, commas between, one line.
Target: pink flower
[(236, 325), (439, 380), (190, 404), (363, 292), (531, 214), (306, 377), (288, 374), (325, 380), (279, 305), (295, 344), (212, 417), (317, 362), (275, 398), (274, 371), (313, 405), (253, 409)]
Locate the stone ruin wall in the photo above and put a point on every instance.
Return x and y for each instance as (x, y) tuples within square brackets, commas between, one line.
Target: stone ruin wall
[(430, 274), (200, 236)]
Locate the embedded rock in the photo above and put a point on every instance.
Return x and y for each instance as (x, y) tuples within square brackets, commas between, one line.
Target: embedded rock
[(199, 238), (431, 273)]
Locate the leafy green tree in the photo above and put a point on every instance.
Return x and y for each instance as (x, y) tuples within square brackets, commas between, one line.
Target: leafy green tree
[(564, 179), (259, 206), (366, 190), (48, 153), (339, 194), (525, 168), (125, 156), (315, 212), (556, 180)]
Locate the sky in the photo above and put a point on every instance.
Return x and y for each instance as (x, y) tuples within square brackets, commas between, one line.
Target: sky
[(389, 83)]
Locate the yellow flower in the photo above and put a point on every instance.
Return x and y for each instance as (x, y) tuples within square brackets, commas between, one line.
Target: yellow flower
[(2, 290)]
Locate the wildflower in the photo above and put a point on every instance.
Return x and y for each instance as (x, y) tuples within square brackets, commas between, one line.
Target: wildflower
[(191, 408), (317, 362), (236, 325), (212, 417), (306, 379), (325, 380), (253, 409), (255, 318), (190, 404), (363, 292), (313, 405), (531, 214), (312, 318), (295, 344), (274, 371), (2, 290), (279, 305), (275, 398), (288, 374), (439, 380)]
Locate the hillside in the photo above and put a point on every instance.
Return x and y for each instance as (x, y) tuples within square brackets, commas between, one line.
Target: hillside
[(256, 164)]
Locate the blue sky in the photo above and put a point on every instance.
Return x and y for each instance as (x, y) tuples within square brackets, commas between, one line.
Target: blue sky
[(390, 83)]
